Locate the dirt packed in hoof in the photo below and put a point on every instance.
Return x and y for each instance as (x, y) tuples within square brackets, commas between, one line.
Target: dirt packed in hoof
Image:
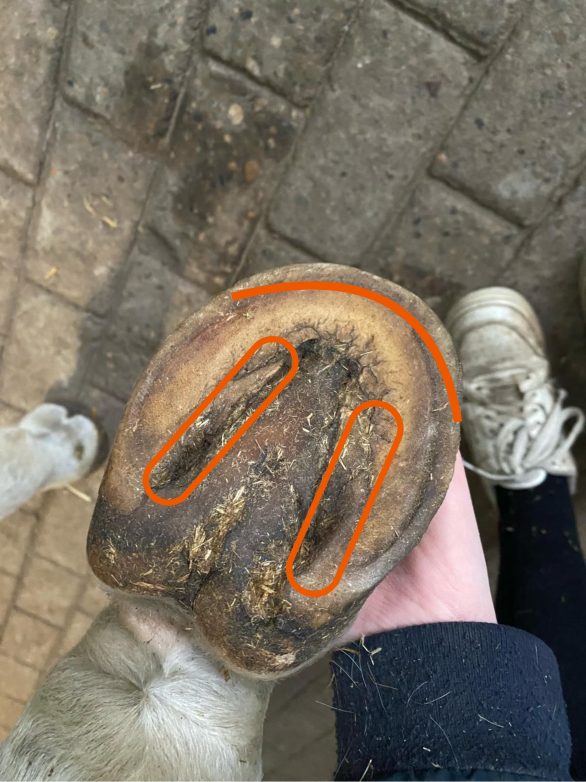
[(247, 515)]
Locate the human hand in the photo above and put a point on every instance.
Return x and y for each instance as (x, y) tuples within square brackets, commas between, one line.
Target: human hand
[(443, 579)]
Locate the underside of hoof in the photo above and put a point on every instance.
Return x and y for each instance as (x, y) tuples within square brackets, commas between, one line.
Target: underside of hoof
[(222, 552)]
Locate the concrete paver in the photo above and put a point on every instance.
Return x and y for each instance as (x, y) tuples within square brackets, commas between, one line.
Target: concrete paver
[(128, 60), (442, 228), (520, 140), (227, 153), (479, 23), (43, 349), (287, 46), (394, 89), (31, 39), (154, 301), (89, 212)]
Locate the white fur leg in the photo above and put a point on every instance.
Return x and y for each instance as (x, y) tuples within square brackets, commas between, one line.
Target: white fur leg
[(138, 700), (46, 449)]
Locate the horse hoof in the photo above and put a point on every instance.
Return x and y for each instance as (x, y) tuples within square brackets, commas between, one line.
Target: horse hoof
[(222, 552)]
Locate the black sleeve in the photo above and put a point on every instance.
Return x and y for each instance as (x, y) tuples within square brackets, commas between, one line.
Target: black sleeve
[(450, 701)]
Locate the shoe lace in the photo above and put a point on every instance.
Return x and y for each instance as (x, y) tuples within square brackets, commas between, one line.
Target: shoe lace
[(528, 432)]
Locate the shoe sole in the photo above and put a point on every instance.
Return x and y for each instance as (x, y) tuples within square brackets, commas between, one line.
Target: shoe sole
[(499, 297)]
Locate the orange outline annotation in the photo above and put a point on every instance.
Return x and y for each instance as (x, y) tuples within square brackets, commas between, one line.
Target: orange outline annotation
[(294, 286), (235, 437), (356, 290), (367, 508)]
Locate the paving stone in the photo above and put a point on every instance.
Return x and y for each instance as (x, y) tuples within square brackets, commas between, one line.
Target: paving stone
[(16, 680), (293, 689), (28, 639), (94, 195), (444, 233), (42, 348), (393, 90), (16, 200), (63, 530), (34, 505), (78, 627), (289, 704), (90, 485), (15, 205), (317, 761), (479, 23), (282, 44), (547, 271), (228, 151), (94, 598), (15, 533), (30, 39), (48, 591), (435, 290), (10, 711), (7, 587), (9, 415), (285, 733), (521, 137), (155, 300), (128, 60), (268, 251), (8, 287), (107, 409)]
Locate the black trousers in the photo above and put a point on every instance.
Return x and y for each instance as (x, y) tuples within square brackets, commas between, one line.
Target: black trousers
[(542, 588)]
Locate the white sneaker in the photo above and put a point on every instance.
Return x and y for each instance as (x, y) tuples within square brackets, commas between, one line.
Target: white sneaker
[(512, 412)]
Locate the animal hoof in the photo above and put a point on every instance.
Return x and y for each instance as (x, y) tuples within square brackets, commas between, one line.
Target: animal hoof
[(222, 552)]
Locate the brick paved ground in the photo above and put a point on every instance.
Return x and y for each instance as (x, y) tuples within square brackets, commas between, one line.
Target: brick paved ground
[(152, 153)]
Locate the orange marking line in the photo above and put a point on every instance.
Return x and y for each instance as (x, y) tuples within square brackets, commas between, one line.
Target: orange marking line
[(380, 299), (367, 508), (235, 437)]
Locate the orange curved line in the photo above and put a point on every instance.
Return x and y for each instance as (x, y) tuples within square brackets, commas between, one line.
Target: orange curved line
[(367, 508), (235, 437), (380, 299)]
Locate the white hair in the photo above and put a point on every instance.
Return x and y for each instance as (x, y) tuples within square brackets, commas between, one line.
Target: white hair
[(137, 699)]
